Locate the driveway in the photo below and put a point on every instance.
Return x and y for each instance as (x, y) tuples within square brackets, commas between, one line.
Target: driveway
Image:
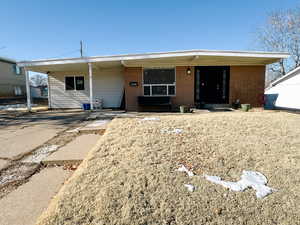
[(22, 134), (26, 187)]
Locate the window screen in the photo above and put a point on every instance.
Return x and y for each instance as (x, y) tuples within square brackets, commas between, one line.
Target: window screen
[(79, 83), (159, 76), (69, 82)]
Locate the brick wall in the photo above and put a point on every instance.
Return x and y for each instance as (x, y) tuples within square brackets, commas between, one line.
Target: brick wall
[(247, 84), (131, 93), (184, 87)]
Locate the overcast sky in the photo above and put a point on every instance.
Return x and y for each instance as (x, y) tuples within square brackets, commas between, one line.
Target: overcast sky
[(35, 29)]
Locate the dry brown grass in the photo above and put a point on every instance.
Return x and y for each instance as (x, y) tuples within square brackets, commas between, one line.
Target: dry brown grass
[(131, 177)]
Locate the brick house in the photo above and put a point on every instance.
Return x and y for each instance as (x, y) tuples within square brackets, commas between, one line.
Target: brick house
[(193, 78)]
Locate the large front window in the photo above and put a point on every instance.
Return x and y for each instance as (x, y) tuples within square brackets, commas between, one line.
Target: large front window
[(159, 82)]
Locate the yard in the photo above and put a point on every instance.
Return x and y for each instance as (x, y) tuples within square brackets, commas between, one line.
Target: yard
[(131, 176)]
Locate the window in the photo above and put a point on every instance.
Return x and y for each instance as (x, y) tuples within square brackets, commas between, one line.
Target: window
[(17, 69), (79, 81), (69, 81), (18, 90), (74, 83), (159, 82)]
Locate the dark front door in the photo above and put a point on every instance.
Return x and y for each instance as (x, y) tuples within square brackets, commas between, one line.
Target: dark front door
[(212, 84)]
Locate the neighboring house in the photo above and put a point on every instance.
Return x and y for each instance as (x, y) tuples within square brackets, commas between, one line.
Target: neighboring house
[(40, 91), (12, 79), (284, 93), (193, 78)]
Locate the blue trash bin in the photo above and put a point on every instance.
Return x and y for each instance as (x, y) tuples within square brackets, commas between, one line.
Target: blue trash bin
[(86, 106)]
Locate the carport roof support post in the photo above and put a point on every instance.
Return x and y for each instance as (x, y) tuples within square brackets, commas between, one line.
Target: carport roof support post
[(91, 84), (27, 89)]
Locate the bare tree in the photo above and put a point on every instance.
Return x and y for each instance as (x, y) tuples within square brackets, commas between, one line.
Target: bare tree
[(37, 80), (281, 32)]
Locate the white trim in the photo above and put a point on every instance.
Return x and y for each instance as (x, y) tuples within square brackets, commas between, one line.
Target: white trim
[(156, 55), (49, 94), (75, 89), (91, 84), (285, 77), (28, 90)]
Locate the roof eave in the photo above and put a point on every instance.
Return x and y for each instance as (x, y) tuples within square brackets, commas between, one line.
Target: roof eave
[(7, 60), (285, 77), (275, 56)]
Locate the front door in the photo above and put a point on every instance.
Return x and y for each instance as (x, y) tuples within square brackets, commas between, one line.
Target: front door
[(211, 84)]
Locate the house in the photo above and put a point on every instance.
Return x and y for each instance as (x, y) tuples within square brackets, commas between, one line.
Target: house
[(12, 79), (40, 91), (192, 78), (284, 93)]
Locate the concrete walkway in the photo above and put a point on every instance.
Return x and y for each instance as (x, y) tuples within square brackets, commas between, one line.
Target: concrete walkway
[(24, 205), (16, 141), (3, 163), (22, 134), (73, 152)]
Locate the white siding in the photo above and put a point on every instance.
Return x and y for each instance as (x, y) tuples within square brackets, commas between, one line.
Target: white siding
[(285, 94), (108, 84)]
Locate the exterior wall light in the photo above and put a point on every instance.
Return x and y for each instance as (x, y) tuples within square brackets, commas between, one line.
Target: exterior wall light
[(188, 71)]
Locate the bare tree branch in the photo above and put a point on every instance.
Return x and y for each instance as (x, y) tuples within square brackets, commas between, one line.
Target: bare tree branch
[(281, 32)]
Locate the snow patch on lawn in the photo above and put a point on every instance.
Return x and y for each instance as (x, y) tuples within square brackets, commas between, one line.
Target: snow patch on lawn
[(76, 130), (150, 119), (98, 123), (190, 187), (184, 169), (252, 179), (40, 154), (171, 131)]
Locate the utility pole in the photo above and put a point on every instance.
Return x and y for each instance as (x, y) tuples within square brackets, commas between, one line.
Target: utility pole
[(81, 48)]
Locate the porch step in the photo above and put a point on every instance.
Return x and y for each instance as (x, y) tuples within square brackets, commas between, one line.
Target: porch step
[(218, 107)]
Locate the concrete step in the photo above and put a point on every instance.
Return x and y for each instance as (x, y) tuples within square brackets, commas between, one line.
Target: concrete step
[(74, 152)]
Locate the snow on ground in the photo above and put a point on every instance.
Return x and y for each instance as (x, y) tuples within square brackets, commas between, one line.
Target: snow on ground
[(98, 123), (14, 107), (5, 179), (40, 154), (184, 169), (171, 131), (190, 187), (252, 179), (150, 119), (75, 130)]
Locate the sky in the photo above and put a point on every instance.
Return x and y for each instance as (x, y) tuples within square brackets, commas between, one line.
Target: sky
[(39, 29)]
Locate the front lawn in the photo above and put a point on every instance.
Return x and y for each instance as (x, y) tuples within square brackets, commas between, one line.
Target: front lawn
[(132, 177)]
